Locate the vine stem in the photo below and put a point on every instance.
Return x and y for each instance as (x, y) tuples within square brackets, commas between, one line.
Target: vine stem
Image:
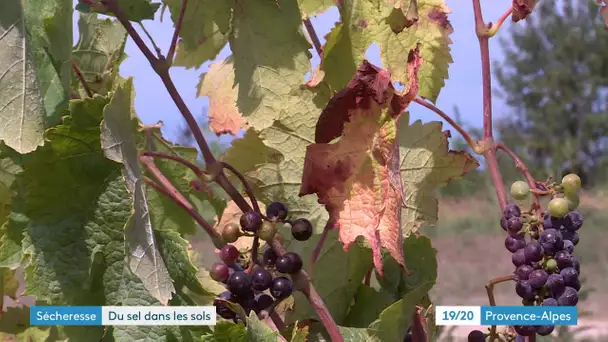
[(81, 79), (166, 188), (490, 291), (495, 26), (197, 170), (524, 170), (319, 246), (313, 36), (178, 27), (467, 137), (161, 67)]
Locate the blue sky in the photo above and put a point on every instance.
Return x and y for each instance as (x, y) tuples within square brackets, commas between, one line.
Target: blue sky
[(462, 89)]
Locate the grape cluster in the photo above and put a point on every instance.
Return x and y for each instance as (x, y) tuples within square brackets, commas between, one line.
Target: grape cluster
[(257, 288), (547, 272)]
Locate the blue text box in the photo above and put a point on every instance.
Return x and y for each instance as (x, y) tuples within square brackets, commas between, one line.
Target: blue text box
[(529, 315), (65, 315)]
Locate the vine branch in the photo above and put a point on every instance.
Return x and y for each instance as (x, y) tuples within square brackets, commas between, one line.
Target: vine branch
[(178, 27), (81, 79), (313, 36), (496, 26), (524, 170), (197, 170)]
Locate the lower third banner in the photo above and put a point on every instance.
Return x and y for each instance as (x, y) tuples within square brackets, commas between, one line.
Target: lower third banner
[(506, 315), (122, 315)]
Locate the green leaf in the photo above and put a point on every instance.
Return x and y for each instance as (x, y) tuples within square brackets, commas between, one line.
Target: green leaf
[(369, 303), (269, 63), (257, 331), (299, 334), (366, 22), (228, 332), (421, 261), (16, 322), (135, 10), (204, 31), (311, 8), (426, 163), (36, 55), (119, 144), (99, 51), (394, 321), (175, 250), (319, 334), (336, 277), (8, 284)]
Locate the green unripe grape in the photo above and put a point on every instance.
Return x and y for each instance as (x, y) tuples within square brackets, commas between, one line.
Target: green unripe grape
[(573, 200), (231, 233), (519, 190), (551, 266), (267, 231), (571, 183), (558, 207)]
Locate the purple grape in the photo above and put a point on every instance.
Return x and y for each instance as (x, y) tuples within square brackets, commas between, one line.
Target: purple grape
[(223, 310), (576, 265), (524, 290), (545, 330), (503, 223), (476, 336), (514, 243), (518, 258), (511, 210), (573, 220), (568, 246), (551, 240), (568, 298), (570, 236), (537, 278), (552, 222), (576, 285), (570, 275), (514, 225), (523, 272), (550, 302), (533, 252), (563, 259), (525, 330), (263, 302), (555, 284)]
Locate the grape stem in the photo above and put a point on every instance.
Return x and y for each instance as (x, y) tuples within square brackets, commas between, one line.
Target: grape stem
[(495, 26), (492, 300), (197, 170), (159, 52), (161, 67), (319, 246), (81, 79), (419, 328), (246, 185), (178, 27), (313, 36), (524, 170)]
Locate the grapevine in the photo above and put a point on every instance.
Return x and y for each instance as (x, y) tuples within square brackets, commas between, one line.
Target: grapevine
[(316, 210)]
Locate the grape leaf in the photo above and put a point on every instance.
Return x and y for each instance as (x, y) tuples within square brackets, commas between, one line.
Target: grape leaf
[(257, 331), (35, 64), (8, 284), (99, 50), (204, 30), (269, 63), (319, 334), (249, 151), (351, 176), (227, 332), (217, 84), (369, 303), (311, 8), (394, 321), (425, 163), (367, 22), (336, 277), (118, 143), (15, 323), (134, 10), (299, 334), (421, 257)]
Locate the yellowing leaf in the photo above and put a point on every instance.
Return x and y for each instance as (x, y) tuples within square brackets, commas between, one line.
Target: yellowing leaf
[(351, 176), (204, 31), (217, 84), (366, 22), (310, 8), (426, 163)]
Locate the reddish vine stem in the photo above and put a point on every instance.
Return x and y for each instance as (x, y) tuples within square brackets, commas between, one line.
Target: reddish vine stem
[(490, 292), (368, 276), (419, 329), (166, 188), (467, 137), (495, 26), (81, 79), (178, 27), (246, 185), (319, 246), (161, 67), (524, 170), (313, 36), (197, 170)]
